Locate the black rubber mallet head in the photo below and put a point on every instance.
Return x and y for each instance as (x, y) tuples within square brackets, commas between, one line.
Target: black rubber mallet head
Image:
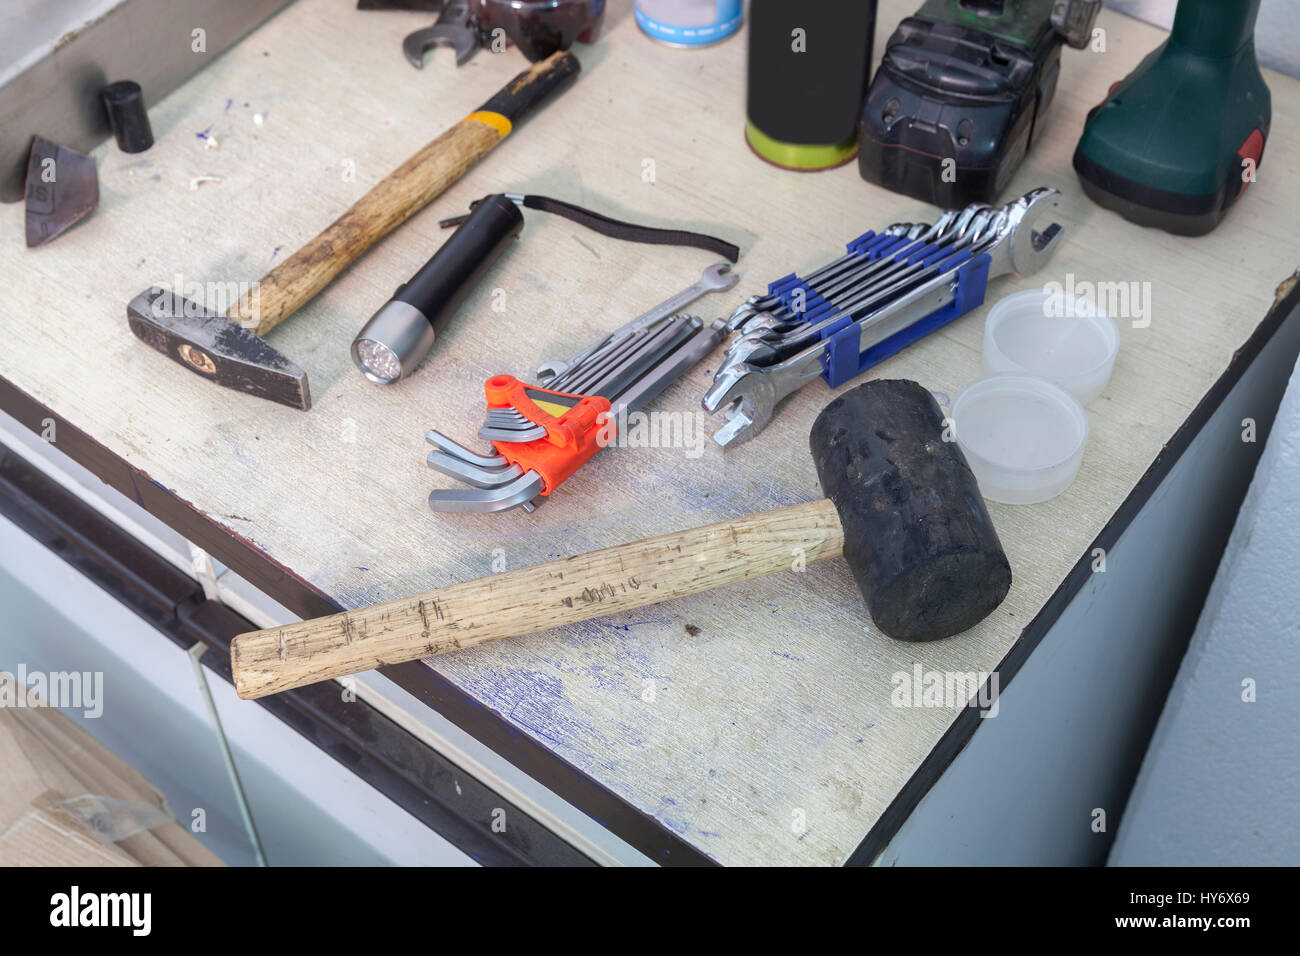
[(903, 509), (917, 536)]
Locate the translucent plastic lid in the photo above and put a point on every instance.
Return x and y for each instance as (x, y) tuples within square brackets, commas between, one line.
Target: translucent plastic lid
[(1022, 436), (1054, 335)]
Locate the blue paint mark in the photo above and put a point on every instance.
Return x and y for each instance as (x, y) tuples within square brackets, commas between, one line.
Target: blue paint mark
[(631, 735), (204, 134), (229, 103), (536, 702), (275, 252), (359, 568), (245, 106), (788, 657), (681, 826), (614, 682)]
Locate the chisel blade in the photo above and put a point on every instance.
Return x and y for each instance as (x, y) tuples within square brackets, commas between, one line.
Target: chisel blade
[(62, 189)]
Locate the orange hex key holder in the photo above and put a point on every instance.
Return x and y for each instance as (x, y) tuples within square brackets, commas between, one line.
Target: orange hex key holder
[(541, 436)]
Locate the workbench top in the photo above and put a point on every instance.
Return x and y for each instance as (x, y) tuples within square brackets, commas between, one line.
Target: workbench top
[(751, 724)]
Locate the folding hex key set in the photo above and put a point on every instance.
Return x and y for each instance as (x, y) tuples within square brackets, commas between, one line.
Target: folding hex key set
[(541, 436), (890, 289)]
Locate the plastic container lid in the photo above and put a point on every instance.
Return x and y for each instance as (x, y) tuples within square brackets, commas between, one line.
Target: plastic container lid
[(1053, 335), (1023, 436)]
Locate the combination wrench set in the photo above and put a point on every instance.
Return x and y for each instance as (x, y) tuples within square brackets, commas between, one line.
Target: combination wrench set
[(542, 435), (889, 289)]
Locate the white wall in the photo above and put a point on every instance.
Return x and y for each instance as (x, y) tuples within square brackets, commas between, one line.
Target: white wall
[(1220, 783)]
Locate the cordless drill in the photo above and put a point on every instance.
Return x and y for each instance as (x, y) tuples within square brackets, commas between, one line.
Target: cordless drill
[(1176, 142)]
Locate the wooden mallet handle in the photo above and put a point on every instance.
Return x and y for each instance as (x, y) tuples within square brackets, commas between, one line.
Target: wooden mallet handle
[(548, 595), (902, 507), (404, 192)]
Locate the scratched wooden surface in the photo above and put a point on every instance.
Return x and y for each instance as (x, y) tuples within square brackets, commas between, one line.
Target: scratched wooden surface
[(729, 716)]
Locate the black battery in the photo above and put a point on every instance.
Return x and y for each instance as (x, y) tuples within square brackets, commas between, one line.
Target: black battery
[(953, 110)]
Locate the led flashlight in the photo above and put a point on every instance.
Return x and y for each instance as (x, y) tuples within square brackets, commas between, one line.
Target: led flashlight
[(401, 333)]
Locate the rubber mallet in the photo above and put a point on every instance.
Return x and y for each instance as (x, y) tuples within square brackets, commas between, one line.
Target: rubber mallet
[(904, 510)]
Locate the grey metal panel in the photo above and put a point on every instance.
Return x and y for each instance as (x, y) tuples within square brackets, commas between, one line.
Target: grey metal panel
[(1073, 726), (56, 56)]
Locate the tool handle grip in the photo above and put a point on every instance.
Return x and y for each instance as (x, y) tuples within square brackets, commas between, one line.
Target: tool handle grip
[(443, 282), (405, 191), (519, 602)]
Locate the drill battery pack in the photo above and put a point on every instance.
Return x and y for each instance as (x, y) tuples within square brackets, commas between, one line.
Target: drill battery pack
[(958, 97)]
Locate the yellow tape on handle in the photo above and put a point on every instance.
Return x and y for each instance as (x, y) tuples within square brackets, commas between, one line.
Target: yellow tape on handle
[(501, 124)]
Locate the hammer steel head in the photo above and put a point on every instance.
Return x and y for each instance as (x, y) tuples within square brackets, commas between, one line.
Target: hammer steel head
[(216, 347)]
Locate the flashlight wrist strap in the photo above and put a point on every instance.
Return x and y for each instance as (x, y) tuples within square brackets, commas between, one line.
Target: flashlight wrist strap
[(616, 228)]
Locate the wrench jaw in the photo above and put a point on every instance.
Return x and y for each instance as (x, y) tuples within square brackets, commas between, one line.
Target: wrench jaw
[(1034, 236), (746, 397), (740, 426), (453, 29), (718, 277), (745, 311), (461, 39)]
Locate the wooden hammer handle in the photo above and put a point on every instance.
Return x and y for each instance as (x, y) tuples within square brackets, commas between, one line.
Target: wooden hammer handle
[(548, 595), (404, 192)]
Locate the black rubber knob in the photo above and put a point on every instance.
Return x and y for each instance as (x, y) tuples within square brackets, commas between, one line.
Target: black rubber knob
[(127, 116), (917, 536)]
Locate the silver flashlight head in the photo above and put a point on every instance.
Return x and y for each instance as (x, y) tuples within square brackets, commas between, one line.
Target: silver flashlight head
[(393, 342)]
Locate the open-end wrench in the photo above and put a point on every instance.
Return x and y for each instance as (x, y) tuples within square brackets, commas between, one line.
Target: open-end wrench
[(716, 278), (847, 273), (453, 29), (987, 228)]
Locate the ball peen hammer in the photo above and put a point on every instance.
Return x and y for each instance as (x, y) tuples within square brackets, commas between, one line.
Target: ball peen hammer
[(229, 349), (904, 510)]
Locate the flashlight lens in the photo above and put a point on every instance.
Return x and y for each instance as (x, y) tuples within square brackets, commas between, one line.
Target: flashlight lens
[(378, 361)]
